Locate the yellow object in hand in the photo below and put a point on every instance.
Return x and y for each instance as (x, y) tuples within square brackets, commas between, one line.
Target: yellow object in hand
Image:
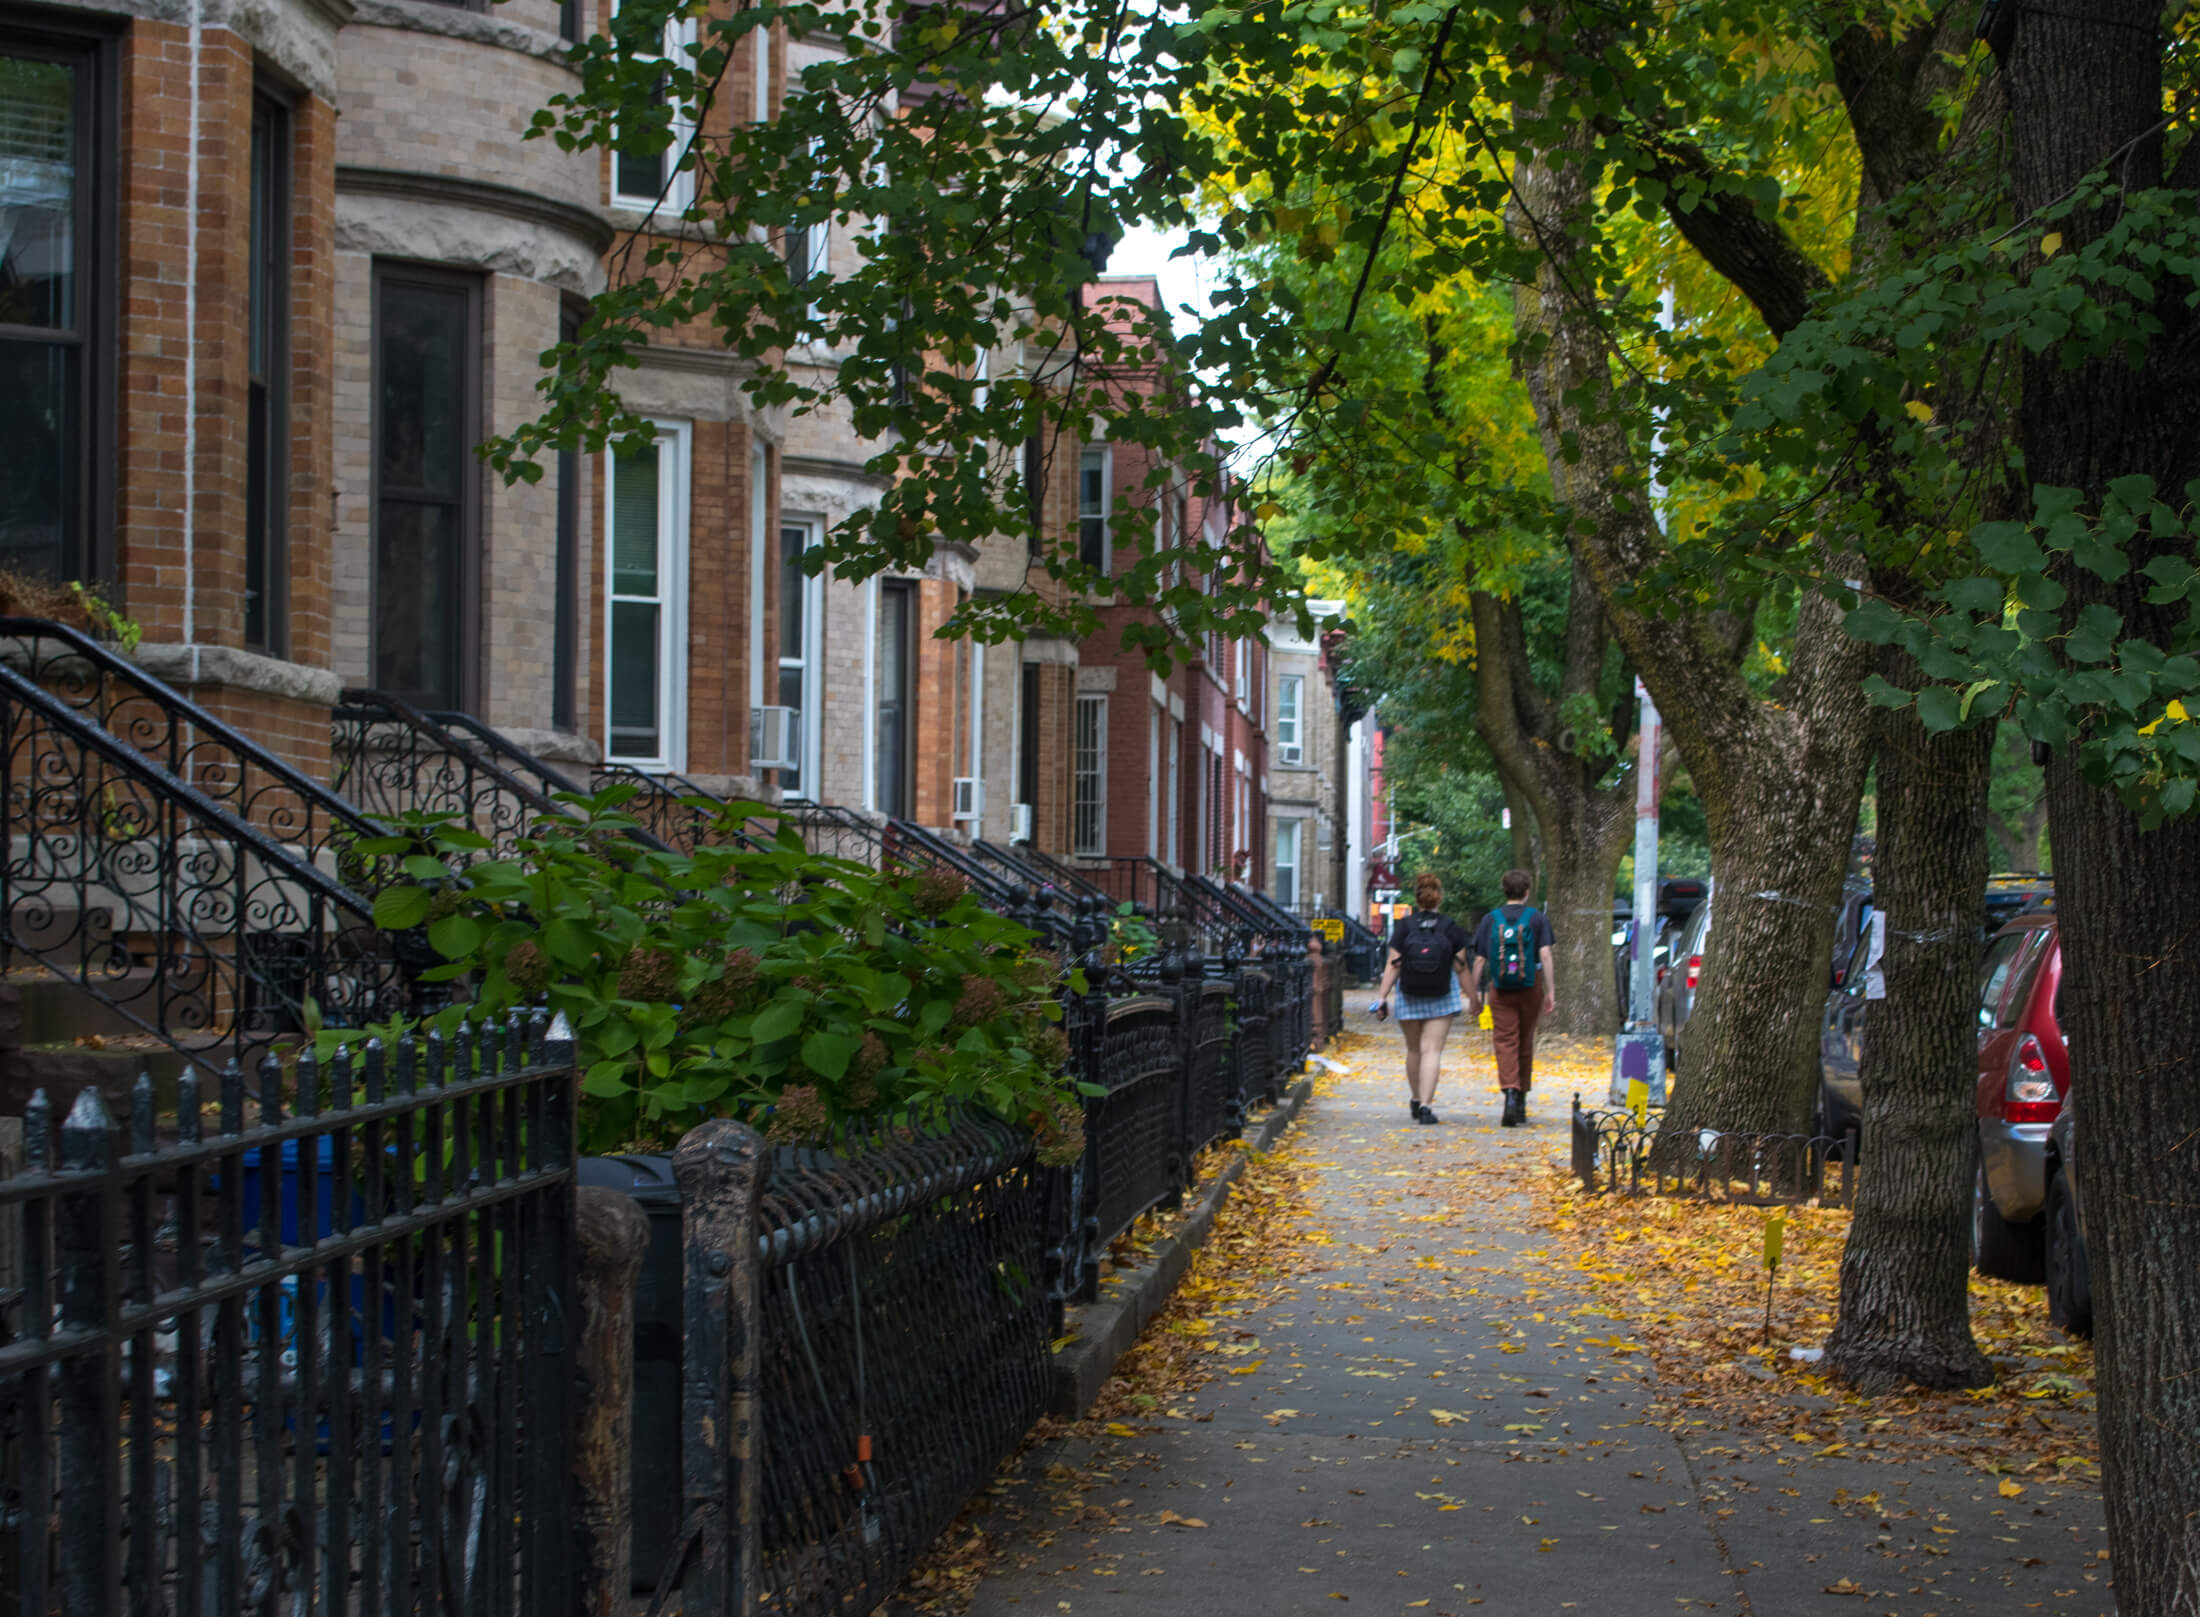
[(1484, 1021)]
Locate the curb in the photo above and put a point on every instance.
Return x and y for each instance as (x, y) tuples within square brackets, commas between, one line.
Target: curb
[(1107, 1329)]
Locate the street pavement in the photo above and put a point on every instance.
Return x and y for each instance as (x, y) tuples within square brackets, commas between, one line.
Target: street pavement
[(1434, 1425)]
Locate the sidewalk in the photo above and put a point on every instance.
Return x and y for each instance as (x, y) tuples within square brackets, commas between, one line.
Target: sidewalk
[(1430, 1425)]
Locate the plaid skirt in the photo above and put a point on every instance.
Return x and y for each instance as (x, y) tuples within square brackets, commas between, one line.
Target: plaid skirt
[(1419, 1008)]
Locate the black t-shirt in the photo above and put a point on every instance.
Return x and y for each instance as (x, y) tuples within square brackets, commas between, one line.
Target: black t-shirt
[(1456, 932), (1485, 935)]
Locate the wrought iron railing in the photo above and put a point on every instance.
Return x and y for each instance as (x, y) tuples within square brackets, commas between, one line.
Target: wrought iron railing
[(304, 1349), (195, 926), (393, 760), (903, 1349), (1256, 1067), (1614, 1151), (1361, 949), (834, 832), (1214, 1103), (184, 738), (912, 846)]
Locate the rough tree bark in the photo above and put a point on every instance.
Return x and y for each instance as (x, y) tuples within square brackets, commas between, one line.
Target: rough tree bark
[(2085, 96), (1779, 779), (1584, 827), (1905, 1315)]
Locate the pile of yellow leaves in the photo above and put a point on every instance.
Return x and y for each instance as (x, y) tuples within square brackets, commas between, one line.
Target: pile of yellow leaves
[(1691, 1281)]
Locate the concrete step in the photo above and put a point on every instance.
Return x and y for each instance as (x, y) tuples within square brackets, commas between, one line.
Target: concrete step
[(43, 1008), (60, 936)]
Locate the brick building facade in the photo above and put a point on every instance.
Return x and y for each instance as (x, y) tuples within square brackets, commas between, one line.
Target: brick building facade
[(273, 273)]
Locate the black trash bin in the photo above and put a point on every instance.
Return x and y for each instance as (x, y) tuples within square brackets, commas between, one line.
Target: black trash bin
[(656, 1355)]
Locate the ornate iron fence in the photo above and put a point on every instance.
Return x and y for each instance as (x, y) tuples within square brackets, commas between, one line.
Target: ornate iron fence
[(306, 1351), (1614, 1152), (1135, 1152), (904, 1350), (1256, 1072), (1214, 1105), (194, 925)]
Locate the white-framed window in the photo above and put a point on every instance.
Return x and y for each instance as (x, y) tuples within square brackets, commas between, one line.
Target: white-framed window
[(1287, 863), (655, 179), (1089, 771), (809, 251), (645, 593), (1244, 673), (1175, 796), (1153, 782), (1290, 694), (801, 646), (1092, 507)]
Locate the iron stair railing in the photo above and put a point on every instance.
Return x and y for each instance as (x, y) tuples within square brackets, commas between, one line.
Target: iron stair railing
[(387, 755), (159, 722), (202, 930)]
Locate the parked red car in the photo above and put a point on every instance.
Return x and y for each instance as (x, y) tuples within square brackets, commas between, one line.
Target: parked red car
[(2023, 1075)]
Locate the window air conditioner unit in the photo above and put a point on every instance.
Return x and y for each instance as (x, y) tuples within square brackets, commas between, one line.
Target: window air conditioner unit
[(1293, 752), (1019, 822), (969, 797), (775, 738)]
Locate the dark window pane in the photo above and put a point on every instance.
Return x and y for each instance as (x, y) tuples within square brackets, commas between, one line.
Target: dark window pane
[(1027, 760), (416, 598), (634, 523), (892, 763), (425, 437), (793, 593), (635, 721), (38, 193), (640, 174), (268, 348), (41, 417), (424, 443)]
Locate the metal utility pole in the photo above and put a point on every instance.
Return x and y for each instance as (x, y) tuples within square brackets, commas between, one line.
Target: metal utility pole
[(1640, 1055)]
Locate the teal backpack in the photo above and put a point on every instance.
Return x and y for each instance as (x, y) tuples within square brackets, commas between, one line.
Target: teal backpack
[(1518, 959)]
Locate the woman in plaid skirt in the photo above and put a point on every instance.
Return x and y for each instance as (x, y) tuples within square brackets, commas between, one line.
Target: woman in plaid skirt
[(1427, 964)]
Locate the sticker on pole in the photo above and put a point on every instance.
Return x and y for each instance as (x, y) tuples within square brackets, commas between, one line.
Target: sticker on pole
[(1638, 1058)]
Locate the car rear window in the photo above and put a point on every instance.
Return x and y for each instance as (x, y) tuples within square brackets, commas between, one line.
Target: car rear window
[(1993, 976)]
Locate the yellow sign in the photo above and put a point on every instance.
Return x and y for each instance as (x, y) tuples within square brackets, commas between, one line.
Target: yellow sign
[(1330, 927)]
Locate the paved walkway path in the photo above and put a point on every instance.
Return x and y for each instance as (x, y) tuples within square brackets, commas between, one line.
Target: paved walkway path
[(1420, 1435)]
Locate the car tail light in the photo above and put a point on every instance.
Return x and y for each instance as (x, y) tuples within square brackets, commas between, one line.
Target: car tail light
[(2029, 1094), (1695, 971)]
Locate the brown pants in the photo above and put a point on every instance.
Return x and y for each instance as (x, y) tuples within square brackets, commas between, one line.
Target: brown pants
[(1513, 1015)]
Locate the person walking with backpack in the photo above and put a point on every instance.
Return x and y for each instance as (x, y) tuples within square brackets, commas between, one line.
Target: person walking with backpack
[(1513, 947), (1428, 966)]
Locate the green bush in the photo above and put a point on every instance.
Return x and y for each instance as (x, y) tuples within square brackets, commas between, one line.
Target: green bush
[(745, 979)]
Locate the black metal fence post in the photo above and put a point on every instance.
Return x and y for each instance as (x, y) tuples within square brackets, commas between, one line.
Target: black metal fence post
[(89, 1387), (720, 1168)]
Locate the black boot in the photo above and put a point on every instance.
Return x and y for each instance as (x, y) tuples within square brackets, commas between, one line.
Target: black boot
[(1513, 1109)]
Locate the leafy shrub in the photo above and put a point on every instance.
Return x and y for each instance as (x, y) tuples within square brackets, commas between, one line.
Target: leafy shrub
[(747, 978)]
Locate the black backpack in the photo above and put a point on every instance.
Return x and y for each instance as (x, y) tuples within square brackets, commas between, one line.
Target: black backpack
[(1424, 957)]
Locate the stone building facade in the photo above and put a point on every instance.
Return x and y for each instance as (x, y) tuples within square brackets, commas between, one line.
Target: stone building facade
[(1303, 862)]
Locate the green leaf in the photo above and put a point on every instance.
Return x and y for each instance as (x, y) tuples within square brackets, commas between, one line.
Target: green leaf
[(1938, 709), (605, 1079), (2008, 547), (400, 909), (828, 1054), (776, 1021), (1981, 595), (422, 868), (1881, 694), (455, 936)]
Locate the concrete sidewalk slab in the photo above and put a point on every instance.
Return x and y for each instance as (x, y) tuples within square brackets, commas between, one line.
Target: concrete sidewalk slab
[(1432, 1426)]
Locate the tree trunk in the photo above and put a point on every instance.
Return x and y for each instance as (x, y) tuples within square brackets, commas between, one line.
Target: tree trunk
[(1780, 829), (1905, 1316), (2130, 1007), (2130, 1004), (1592, 840), (1780, 780)]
